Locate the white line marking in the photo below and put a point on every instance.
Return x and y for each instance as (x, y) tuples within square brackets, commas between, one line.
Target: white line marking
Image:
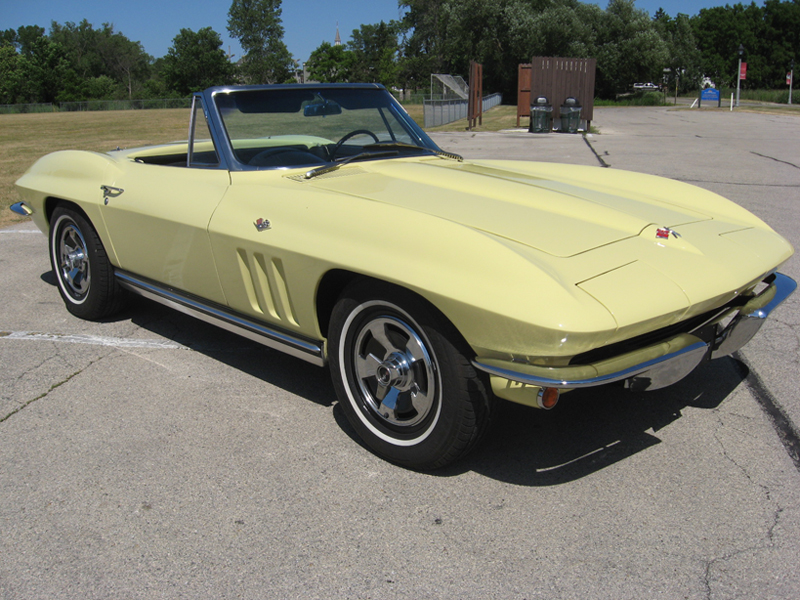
[(93, 340), (20, 231)]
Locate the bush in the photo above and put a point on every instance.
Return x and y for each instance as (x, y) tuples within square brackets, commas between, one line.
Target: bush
[(637, 99)]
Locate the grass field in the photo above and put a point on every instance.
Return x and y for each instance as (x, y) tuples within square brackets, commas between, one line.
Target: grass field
[(26, 137)]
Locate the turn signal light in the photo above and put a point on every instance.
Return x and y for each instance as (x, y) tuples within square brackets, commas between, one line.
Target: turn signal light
[(548, 398)]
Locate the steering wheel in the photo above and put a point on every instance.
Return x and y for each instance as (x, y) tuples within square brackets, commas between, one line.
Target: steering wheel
[(352, 134)]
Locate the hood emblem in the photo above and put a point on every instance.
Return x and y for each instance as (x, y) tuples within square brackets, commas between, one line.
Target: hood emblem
[(263, 224), (663, 233)]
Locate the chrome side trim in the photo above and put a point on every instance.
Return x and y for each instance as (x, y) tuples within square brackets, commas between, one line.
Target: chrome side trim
[(687, 358), (21, 209), (309, 350)]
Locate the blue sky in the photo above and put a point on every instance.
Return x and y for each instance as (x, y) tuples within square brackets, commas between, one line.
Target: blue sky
[(308, 23)]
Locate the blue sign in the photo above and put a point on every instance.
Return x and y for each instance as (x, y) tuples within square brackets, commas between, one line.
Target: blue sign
[(710, 94)]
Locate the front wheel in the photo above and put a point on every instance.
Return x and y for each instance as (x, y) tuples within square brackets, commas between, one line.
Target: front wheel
[(403, 378), (83, 272)]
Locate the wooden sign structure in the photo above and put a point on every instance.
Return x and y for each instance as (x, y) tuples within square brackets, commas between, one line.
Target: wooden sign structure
[(475, 110), (557, 79)]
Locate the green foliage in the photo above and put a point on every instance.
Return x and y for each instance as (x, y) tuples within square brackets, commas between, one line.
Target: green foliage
[(329, 64), (257, 26), (78, 62), (684, 62), (374, 50), (638, 99), (9, 74), (770, 36), (196, 61), (629, 49), (371, 56), (42, 69)]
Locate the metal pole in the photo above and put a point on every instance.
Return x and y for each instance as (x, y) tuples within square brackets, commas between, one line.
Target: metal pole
[(791, 82), (739, 75), (738, 82)]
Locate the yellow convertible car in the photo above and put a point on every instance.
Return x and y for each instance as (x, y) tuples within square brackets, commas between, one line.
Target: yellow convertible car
[(322, 221)]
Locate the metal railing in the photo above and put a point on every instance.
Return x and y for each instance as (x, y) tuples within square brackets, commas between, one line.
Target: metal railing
[(441, 112)]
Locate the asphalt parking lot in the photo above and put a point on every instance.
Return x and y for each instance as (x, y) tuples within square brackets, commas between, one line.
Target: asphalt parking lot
[(154, 456)]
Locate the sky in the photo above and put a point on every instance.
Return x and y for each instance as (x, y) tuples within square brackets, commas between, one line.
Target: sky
[(307, 23)]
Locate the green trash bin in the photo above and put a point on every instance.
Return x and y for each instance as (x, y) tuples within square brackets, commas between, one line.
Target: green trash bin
[(570, 116), (541, 116)]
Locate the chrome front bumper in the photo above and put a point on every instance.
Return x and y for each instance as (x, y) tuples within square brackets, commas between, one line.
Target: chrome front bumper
[(661, 364)]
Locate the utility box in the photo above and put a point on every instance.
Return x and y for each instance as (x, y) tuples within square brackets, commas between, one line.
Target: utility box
[(541, 116)]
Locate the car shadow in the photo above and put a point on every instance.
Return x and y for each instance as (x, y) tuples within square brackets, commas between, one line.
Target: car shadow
[(586, 432), (286, 372), (49, 278), (591, 429)]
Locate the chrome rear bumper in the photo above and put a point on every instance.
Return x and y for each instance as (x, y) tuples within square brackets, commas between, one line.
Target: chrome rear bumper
[(661, 364)]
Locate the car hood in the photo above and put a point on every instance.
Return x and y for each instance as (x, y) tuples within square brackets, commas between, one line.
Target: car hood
[(558, 216)]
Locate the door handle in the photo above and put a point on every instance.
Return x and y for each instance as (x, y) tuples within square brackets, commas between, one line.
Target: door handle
[(110, 192)]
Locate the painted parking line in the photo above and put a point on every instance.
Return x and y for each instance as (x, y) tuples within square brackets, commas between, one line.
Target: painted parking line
[(93, 340)]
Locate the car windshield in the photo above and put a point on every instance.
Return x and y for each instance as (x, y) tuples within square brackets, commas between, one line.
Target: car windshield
[(316, 126)]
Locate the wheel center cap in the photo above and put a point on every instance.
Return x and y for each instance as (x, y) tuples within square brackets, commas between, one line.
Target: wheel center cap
[(394, 371), (75, 259)]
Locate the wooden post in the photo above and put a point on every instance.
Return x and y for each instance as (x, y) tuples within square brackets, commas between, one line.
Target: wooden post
[(475, 106)]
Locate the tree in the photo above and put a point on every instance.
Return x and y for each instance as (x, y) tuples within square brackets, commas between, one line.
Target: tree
[(719, 32), (9, 74), (81, 45), (27, 37), (423, 26), (41, 71), (196, 61), (445, 35), (373, 51), (684, 61), (127, 60), (329, 64), (257, 26), (629, 49)]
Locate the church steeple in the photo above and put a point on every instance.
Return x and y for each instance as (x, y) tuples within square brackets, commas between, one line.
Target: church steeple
[(337, 40)]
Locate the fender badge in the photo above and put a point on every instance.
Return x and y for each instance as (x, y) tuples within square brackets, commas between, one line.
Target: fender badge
[(263, 224), (663, 233)]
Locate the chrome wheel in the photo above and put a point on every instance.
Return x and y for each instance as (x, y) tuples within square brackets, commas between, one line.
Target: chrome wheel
[(396, 373), (72, 258), (403, 376), (83, 272)]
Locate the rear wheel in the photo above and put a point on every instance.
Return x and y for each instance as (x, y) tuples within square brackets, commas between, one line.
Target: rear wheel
[(83, 272), (403, 378)]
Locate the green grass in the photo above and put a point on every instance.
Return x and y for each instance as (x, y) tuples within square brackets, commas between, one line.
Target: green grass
[(637, 99), (773, 96), (496, 119), (26, 137)]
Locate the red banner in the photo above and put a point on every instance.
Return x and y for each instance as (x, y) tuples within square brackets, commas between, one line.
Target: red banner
[(743, 72)]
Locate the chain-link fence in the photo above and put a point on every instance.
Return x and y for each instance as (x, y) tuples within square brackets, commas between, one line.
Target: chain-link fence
[(96, 105), (441, 112)]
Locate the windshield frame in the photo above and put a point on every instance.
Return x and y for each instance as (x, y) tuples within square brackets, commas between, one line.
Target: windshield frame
[(225, 148)]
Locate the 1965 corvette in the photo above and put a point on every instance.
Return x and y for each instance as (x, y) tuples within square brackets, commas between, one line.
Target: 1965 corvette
[(322, 221)]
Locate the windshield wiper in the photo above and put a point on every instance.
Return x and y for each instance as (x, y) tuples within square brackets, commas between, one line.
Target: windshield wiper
[(404, 146), (349, 159)]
